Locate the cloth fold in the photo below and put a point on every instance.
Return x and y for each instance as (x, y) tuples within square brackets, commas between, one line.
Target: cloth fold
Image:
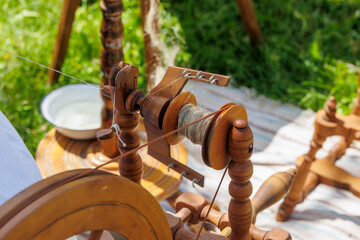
[(18, 169)]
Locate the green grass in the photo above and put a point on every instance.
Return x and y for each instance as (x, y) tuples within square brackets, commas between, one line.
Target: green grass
[(308, 45), (311, 50)]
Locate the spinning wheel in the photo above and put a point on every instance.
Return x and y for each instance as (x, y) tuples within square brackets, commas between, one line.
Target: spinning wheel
[(92, 200), (313, 171), (57, 153), (58, 208)]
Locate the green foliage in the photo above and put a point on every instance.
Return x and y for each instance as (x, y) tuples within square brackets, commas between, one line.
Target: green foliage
[(310, 52), (308, 49), (29, 28)]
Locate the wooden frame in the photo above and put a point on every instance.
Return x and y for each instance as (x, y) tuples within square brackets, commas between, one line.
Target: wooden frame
[(311, 170)]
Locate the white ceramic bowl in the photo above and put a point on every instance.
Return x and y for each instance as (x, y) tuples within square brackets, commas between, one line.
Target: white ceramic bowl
[(75, 110)]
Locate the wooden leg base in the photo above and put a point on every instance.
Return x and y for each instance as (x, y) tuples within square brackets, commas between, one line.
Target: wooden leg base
[(328, 173), (57, 153)]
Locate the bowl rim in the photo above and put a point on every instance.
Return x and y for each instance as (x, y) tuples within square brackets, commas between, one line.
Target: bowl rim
[(46, 115)]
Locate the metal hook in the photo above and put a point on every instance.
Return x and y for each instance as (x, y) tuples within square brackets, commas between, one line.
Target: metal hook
[(198, 76), (171, 165), (211, 80), (183, 173), (195, 180)]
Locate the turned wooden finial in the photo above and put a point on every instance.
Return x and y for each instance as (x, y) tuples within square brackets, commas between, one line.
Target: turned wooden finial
[(330, 108), (111, 34), (240, 148)]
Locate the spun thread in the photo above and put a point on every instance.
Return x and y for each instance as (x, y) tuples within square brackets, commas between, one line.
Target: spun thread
[(196, 132)]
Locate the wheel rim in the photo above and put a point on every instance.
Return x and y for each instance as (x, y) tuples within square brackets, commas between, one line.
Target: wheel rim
[(93, 202)]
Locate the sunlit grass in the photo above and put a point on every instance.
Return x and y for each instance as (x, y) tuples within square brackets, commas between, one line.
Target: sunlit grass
[(311, 50)]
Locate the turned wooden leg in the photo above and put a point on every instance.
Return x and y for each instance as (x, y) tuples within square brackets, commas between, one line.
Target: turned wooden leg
[(250, 21), (131, 165), (295, 193), (62, 39), (112, 34), (240, 188)]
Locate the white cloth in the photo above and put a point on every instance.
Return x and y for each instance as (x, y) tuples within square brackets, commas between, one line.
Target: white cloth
[(282, 132), (18, 169)]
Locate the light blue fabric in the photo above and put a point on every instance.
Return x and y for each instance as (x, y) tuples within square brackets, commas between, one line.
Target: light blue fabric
[(18, 169)]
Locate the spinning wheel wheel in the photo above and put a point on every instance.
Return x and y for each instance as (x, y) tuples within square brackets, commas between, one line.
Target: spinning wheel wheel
[(57, 153), (58, 208)]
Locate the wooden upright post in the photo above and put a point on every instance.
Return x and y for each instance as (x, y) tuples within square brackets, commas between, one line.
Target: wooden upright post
[(122, 81), (112, 34), (295, 194), (240, 170), (62, 39), (249, 17)]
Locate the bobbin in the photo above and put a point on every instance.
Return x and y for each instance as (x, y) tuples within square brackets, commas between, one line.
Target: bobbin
[(214, 148), (170, 121)]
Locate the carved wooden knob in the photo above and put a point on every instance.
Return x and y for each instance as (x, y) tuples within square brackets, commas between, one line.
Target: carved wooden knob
[(241, 141), (189, 206), (104, 134), (133, 100)]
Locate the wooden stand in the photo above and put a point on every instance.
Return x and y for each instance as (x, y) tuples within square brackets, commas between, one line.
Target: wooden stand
[(226, 136), (112, 34), (57, 153), (90, 195), (313, 171)]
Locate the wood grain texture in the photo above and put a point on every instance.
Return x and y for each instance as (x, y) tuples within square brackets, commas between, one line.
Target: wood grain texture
[(56, 153), (240, 188), (170, 121), (173, 81), (95, 205), (111, 34), (271, 191), (215, 147), (312, 170)]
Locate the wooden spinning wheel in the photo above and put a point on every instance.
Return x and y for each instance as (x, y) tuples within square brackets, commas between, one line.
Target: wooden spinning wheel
[(57, 153), (103, 201), (92, 200)]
